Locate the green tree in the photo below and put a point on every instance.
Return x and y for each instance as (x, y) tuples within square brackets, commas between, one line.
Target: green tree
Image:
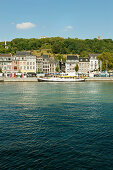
[(57, 68), (84, 54), (107, 61), (0, 70), (76, 68)]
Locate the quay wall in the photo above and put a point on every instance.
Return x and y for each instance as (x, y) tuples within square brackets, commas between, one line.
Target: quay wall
[(34, 79), (30, 79), (99, 79)]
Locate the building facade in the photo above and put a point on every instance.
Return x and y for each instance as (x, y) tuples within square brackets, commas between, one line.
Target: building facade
[(39, 64), (46, 64), (70, 64), (95, 64), (83, 65), (6, 63), (24, 62)]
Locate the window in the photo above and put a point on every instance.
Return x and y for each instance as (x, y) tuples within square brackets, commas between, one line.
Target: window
[(28, 67), (31, 67)]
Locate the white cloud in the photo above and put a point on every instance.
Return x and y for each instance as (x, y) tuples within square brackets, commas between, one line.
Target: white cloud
[(25, 25), (69, 27)]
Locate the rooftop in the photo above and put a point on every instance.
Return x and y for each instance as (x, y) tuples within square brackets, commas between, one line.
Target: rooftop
[(72, 57), (5, 55), (45, 56), (23, 53), (82, 59)]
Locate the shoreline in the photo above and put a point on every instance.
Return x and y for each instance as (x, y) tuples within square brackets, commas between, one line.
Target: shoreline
[(31, 79), (34, 79), (99, 79)]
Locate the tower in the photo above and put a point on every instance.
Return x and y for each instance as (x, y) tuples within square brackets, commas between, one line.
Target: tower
[(99, 37), (6, 45)]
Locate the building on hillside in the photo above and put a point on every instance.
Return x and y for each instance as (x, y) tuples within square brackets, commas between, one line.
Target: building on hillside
[(95, 64), (23, 53), (71, 62), (83, 65), (42, 37), (6, 63)]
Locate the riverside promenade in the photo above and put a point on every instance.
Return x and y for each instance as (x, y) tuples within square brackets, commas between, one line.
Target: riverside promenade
[(11, 79), (99, 79), (34, 79)]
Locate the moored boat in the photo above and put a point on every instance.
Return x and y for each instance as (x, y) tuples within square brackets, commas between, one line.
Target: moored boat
[(61, 78)]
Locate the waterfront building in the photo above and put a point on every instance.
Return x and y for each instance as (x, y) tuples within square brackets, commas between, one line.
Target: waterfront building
[(71, 62), (27, 62), (24, 62), (15, 64), (46, 68), (49, 64), (53, 63), (6, 63), (95, 64), (39, 64), (46, 64), (83, 65)]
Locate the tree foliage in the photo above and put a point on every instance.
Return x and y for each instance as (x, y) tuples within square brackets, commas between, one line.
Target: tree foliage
[(57, 68), (60, 46), (107, 60), (76, 68), (0, 70)]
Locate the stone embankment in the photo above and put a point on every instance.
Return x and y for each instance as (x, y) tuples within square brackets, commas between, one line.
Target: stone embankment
[(1, 79), (11, 79), (34, 79), (99, 79)]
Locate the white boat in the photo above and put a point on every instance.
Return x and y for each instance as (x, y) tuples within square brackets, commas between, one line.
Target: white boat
[(61, 78)]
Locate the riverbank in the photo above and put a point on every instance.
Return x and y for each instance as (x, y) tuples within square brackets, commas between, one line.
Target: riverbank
[(99, 79), (34, 79), (11, 79)]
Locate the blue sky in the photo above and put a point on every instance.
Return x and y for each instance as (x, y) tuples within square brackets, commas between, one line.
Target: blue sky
[(65, 18)]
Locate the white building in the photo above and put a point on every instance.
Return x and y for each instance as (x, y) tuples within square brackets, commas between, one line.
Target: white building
[(95, 64), (71, 62), (6, 63)]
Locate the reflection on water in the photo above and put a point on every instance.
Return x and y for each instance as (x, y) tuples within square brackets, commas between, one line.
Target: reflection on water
[(56, 125)]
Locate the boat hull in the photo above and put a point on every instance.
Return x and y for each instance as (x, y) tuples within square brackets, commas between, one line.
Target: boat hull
[(60, 80)]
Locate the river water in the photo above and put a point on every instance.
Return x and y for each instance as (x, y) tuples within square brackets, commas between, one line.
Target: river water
[(56, 125)]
